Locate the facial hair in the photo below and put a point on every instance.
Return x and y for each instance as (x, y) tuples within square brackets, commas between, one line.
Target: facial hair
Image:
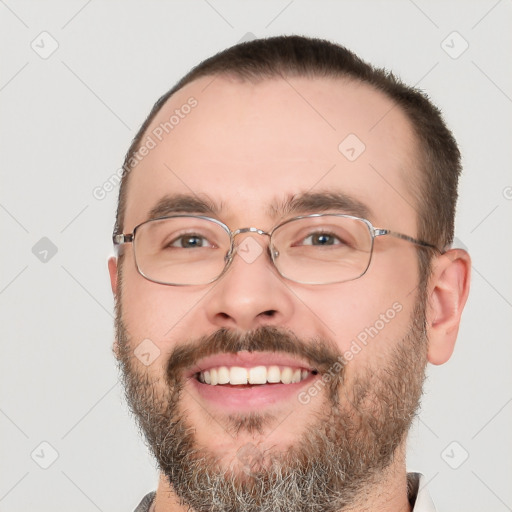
[(342, 453)]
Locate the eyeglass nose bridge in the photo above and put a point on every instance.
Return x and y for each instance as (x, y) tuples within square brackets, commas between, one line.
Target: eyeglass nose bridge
[(231, 253), (248, 230)]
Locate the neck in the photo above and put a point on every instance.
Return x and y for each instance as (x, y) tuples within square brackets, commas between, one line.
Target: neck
[(388, 495)]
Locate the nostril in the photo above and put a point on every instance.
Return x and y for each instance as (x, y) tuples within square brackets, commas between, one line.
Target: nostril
[(269, 312)]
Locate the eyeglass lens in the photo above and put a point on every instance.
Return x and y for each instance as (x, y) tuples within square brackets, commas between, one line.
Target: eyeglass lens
[(312, 250)]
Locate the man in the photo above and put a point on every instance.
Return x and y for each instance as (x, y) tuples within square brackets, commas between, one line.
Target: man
[(283, 277)]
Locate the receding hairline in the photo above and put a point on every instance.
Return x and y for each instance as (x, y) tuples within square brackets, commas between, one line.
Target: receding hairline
[(413, 186)]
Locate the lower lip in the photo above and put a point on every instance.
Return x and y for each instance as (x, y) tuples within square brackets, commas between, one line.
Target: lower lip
[(247, 398)]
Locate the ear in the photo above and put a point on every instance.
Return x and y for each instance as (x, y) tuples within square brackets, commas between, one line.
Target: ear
[(112, 270), (448, 292)]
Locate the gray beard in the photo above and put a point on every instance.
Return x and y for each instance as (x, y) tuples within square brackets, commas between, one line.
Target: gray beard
[(341, 455)]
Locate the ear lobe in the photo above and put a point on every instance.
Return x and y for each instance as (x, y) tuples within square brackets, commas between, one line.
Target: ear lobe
[(112, 270), (448, 292)]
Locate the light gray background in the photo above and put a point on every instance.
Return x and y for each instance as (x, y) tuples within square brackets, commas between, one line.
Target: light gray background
[(66, 122)]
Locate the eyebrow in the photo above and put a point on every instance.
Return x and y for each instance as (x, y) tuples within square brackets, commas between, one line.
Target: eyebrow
[(294, 204), (183, 203), (323, 201)]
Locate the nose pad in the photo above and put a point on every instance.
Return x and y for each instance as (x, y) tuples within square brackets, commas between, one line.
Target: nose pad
[(249, 250), (228, 257)]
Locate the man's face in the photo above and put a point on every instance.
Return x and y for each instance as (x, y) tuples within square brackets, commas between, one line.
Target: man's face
[(247, 149)]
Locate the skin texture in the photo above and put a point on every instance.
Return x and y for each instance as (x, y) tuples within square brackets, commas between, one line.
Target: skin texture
[(249, 147)]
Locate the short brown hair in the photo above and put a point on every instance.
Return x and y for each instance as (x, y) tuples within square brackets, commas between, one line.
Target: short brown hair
[(439, 158)]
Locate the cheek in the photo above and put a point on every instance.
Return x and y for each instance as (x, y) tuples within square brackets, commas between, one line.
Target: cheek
[(367, 316), (157, 312)]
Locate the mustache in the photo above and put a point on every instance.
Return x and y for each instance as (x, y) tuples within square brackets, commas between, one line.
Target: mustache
[(320, 353)]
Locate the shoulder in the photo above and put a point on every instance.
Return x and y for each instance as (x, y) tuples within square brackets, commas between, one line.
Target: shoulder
[(146, 502)]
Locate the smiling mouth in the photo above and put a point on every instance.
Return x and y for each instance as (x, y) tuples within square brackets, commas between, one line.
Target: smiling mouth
[(249, 382), (256, 375)]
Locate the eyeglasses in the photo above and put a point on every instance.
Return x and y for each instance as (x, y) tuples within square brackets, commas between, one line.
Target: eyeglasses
[(329, 248)]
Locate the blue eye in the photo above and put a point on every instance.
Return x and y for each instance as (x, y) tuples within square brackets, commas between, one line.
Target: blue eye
[(190, 242), (321, 239)]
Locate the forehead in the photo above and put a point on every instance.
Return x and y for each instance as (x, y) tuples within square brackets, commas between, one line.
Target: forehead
[(249, 148)]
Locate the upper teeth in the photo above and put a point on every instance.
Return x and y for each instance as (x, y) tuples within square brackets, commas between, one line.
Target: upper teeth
[(237, 375)]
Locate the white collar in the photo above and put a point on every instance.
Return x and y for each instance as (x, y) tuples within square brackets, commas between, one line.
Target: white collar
[(418, 487)]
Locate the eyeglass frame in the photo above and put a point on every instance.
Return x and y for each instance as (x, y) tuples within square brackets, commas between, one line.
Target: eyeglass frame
[(126, 238)]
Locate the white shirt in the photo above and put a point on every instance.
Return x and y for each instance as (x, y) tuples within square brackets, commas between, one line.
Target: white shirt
[(418, 487)]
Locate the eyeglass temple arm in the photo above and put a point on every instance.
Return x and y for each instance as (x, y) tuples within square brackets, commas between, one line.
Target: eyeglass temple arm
[(380, 232), (119, 240), (122, 239)]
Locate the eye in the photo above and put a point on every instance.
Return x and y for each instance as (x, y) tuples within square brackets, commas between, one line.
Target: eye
[(189, 241), (321, 239)]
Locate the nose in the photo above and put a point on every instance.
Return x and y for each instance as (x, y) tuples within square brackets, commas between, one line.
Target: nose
[(251, 293)]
